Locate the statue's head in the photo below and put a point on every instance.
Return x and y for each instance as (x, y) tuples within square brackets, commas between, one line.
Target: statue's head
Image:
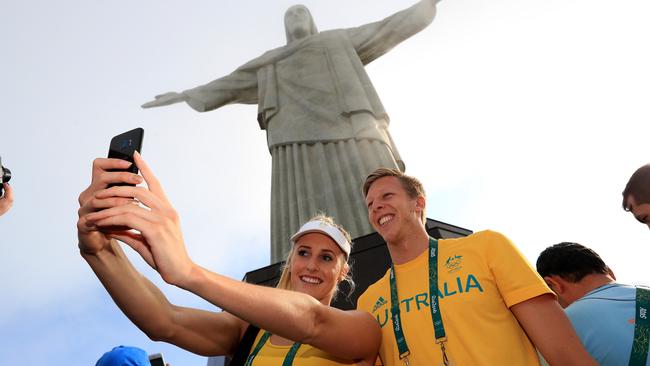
[(298, 23)]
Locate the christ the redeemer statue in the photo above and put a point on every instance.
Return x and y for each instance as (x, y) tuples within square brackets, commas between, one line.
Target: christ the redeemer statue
[(326, 127)]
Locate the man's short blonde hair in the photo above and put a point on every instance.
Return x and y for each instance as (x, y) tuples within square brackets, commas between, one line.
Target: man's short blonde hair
[(411, 185)]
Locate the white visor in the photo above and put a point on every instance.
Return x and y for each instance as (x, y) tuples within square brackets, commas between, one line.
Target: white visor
[(318, 226)]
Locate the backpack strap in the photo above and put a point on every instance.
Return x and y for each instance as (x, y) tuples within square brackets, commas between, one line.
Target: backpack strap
[(244, 347)]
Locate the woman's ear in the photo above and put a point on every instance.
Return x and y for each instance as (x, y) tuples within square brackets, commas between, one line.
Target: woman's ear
[(420, 202), (344, 272)]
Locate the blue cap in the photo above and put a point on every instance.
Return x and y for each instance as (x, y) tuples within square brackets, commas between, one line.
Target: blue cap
[(124, 356)]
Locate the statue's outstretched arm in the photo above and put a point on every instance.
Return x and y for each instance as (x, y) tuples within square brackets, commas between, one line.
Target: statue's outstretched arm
[(165, 99), (238, 87), (375, 39)]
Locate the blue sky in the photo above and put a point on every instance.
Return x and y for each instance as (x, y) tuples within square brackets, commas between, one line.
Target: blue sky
[(521, 116)]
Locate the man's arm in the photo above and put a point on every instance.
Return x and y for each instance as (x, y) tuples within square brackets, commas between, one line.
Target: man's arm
[(533, 303), (551, 332)]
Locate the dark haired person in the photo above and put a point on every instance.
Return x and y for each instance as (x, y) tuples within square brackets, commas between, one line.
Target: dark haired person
[(463, 301), (636, 196), (602, 311)]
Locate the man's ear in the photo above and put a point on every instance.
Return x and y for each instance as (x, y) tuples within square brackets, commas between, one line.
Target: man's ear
[(555, 284), (611, 273)]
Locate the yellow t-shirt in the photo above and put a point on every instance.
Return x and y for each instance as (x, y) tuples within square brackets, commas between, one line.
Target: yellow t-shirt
[(479, 278), (273, 355)]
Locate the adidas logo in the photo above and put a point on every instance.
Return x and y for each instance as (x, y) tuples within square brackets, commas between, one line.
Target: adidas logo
[(380, 302)]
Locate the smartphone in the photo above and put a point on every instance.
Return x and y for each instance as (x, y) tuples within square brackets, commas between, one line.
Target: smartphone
[(157, 359), (123, 146)]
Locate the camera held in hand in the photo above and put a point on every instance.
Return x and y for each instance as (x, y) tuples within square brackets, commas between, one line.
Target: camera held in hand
[(5, 177)]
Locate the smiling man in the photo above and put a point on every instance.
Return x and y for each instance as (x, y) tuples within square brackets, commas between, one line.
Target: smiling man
[(636, 196), (465, 301)]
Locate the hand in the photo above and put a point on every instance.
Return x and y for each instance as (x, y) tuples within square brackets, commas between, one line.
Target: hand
[(92, 241), (165, 99), (159, 239), (7, 200)]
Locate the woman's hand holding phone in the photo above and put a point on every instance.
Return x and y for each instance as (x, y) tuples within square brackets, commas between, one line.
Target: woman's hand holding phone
[(118, 170), (104, 172), (155, 234)]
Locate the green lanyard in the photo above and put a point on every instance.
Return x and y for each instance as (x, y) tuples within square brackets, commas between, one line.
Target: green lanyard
[(288, 359), (640, 344), (436, 319)]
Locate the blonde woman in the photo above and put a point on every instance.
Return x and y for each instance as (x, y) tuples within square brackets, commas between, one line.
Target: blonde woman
[(299, 326)]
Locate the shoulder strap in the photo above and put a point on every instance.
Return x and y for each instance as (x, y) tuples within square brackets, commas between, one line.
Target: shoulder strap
[(244, 347), (640, 344)]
